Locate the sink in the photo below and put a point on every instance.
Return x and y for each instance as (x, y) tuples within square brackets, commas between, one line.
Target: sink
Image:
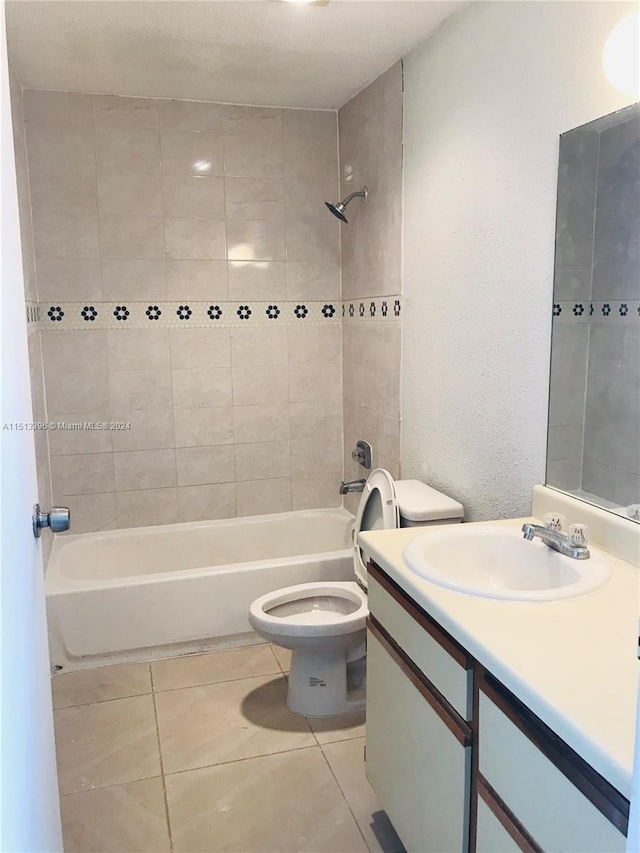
[(497, 562)]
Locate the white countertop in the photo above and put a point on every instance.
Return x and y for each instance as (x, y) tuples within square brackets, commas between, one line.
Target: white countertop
[(573, 662)]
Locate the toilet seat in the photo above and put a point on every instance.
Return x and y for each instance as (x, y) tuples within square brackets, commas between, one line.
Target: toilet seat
[(378, 510), (320, 618)]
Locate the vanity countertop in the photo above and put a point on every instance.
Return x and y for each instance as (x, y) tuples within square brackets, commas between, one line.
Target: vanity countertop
[(572, 661)]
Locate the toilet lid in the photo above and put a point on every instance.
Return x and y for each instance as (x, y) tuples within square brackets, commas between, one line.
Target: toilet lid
[(378, 510)]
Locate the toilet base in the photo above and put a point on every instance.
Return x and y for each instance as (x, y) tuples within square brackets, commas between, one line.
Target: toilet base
[(318, 684)]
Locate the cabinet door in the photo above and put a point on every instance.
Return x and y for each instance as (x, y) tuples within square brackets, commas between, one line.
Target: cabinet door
[(418, 767)]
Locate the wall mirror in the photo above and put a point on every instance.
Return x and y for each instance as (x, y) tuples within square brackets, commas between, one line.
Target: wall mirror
[(593, 446)]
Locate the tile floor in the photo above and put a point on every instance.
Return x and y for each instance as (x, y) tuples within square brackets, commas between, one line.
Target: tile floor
[(199, 754)]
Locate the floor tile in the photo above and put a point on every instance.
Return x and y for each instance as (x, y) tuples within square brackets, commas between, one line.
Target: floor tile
[(96, 685), (285, 802), (215, 723), (111, 820), (283, 657), (193, 670), (346, 759), (339, 727), (106, 743)]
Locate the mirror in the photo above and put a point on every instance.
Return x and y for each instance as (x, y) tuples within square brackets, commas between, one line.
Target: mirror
[(593, 447)]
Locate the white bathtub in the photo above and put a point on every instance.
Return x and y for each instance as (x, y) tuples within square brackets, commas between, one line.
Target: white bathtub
[(150, 592)]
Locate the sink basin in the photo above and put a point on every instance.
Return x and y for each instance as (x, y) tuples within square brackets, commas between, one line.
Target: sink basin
[(497, 562)]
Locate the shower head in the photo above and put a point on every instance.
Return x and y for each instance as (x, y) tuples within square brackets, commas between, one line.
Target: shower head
[(338, 209)]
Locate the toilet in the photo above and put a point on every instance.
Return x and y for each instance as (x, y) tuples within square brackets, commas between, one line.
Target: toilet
[(324, 623)]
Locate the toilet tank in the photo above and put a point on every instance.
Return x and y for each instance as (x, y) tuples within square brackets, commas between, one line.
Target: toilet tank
[(420, 505)]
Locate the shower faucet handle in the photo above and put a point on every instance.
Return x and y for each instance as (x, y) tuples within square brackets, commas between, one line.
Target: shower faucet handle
[(362, 454)]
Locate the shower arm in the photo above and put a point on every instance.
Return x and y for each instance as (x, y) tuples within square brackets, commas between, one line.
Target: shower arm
[(357, 194)]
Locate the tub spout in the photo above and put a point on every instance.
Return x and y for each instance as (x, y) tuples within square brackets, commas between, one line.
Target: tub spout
[(352, 486)]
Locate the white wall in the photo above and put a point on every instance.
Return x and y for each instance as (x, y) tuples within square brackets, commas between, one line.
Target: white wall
[(485, 101), (30, 815)]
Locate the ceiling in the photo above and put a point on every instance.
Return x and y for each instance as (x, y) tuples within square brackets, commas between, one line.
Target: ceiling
[(236, 51)]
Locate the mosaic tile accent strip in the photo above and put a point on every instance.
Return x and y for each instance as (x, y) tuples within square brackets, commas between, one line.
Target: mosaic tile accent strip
[(620, 311), (378, 309), (33, 313), (185, 314)]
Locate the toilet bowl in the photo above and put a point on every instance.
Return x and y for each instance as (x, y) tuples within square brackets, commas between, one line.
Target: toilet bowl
[(324, 623)]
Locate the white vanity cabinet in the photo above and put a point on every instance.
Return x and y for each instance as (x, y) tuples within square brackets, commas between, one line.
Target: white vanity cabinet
[(418, 740), (457, 761)]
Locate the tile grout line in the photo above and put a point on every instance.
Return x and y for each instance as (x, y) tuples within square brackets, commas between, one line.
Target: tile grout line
[(344, 796), (162, 775)]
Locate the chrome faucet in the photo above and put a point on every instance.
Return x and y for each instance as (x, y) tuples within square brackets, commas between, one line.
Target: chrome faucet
[(573, 544), (352, 486)]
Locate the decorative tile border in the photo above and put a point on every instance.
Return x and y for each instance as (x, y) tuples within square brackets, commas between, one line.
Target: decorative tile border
[(378, 309), (185, 314), (33, 313), (591, 312)]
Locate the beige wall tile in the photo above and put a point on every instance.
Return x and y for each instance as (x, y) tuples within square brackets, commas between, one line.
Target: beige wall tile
[(203, 503), (263, 460), (259, 386), (82, 474), (88, 512), (316, 492), (313, 456), (315, 344), (133, 390), (313, 241), (191, 153), (134, 237), (127, 150), (58, 107), (197, 280), (392, 85), (195, 239), (60, 149), (66, 235), (124, 112), (309, 420), (144, 469), (203, 427), (305, 197), (362, 105), (307, 383), (63, 442), (255, 240), (198, 388), (254, 198), (200, 348), (193, 195), (259, 423), (142, 348), (120, 817), (134, 280), (252, 141), (259, 346), (263, 497), (257, 280), (203, 465), (70, 351), (147, 507), (190, 115), (310, 136), (313, 280), (73, 193), (132, 195), (67, 280), (149, 429), (77, 392), (98, 685), (106, 743)]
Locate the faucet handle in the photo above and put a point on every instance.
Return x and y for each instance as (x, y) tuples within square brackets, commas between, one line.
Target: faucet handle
[(579, 535), (553, 521)]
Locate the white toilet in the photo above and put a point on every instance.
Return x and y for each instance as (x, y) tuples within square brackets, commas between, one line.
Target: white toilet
[(324, 623)]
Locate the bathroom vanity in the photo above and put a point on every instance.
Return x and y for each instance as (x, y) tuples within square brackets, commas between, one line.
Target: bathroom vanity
[(499, 725)]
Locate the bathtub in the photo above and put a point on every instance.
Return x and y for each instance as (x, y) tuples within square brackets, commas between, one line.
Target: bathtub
[(152, 592)]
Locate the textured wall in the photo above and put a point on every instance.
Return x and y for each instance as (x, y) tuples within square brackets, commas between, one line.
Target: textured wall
[(187, 271), (485, 101), (370, 129)]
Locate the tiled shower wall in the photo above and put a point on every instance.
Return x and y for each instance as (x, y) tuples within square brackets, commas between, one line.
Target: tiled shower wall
[(188, 275), (594, 415), (370, 131)]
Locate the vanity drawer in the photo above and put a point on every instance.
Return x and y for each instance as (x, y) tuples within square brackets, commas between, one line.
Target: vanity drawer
[(447, 666), (557, 812)]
